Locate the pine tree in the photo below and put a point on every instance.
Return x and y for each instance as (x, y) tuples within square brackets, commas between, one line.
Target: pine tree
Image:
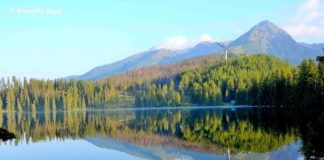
[(10, 100), (83, 103), (53, 105), (307, 83), (218, 96), (53, 109), (1, 105), (177, 98), (19, 107), (33, 109)]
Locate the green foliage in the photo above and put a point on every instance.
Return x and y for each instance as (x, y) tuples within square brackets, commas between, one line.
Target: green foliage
[(40, 95), (218, 83), (227, 129), (244, 80), (1, 105)]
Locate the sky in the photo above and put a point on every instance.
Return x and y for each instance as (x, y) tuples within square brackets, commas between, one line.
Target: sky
[(57, 38)]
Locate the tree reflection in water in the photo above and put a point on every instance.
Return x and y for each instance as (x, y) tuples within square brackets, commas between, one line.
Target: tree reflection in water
[(256, 130)]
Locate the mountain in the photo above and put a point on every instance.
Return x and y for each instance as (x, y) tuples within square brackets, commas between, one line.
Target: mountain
[(266, 37), (201, 49), (148, 58), (143, 59), (315, 46)]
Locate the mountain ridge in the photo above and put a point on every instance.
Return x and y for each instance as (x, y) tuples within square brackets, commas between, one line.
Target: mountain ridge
[(148, 58), (265, 37)]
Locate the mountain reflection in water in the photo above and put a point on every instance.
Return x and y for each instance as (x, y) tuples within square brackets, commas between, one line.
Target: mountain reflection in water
[(187, 133)]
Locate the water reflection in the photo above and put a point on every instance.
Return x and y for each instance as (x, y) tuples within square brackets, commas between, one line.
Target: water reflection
[(237, 132)]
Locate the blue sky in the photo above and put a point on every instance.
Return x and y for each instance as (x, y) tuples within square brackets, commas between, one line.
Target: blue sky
[(57, 38)]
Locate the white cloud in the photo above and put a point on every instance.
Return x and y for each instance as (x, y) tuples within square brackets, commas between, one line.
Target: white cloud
[(206, 37), (309, 5), (182, 42), (307, 23), (174, 43)]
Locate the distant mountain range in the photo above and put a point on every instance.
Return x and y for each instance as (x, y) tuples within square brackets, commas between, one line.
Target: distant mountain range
[(148, 58), (265, 38), (315, 46)]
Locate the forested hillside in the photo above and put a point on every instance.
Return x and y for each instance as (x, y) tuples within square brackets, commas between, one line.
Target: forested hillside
[(45, 95), (163, 73), (250, 80)]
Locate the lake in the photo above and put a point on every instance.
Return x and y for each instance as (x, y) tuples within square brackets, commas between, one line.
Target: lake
[(162, 133)]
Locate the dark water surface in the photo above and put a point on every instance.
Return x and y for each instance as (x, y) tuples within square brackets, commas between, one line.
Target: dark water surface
[(165, 133)]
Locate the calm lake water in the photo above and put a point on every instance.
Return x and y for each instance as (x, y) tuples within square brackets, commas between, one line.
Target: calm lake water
[(164, 133)]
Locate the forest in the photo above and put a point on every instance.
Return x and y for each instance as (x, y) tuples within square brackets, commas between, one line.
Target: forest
[(40, 95), (246, 80), (242, 80)]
